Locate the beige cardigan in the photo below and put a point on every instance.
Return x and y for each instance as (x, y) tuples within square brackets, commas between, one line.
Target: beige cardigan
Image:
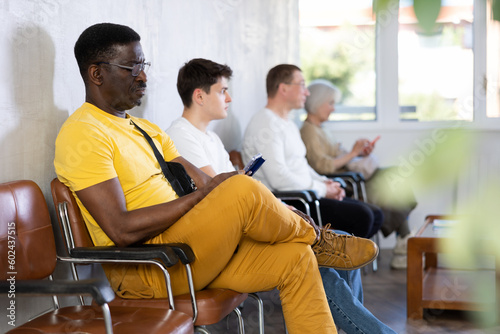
[(321, 152)]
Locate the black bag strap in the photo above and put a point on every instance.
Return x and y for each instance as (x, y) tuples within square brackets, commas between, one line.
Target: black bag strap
[(164, 167)]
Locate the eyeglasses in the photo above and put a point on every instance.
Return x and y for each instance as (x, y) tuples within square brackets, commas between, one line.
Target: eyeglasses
[(136, 69), (301, 84)]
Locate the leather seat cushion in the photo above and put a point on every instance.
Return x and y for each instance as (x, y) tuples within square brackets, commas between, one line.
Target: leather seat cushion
[(213, 304), (89, 319)]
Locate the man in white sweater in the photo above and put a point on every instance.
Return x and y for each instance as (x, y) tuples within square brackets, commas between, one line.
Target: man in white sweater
[(273, 134)]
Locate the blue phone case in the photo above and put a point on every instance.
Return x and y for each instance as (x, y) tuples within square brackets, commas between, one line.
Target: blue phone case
[(254, 164)]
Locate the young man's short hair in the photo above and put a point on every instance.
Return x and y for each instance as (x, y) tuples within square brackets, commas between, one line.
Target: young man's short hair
[(199, 73), (279, 74), (96, 43)]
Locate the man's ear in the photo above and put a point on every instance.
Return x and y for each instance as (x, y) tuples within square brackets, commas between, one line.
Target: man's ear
[(198, 96), (282, 88), (95, 75)]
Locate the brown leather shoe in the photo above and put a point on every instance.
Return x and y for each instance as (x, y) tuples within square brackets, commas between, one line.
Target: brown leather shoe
[(346, 252)]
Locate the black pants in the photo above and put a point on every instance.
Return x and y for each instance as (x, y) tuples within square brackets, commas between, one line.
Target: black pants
[(352, 216)]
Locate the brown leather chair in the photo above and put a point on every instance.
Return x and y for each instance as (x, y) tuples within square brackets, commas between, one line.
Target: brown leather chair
[(211, 305), (28, 253)]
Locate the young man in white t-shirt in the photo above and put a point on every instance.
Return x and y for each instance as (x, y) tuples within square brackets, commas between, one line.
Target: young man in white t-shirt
[(204, 149)]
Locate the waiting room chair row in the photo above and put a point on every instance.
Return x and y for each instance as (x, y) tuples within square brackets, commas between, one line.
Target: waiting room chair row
[(27, 231)]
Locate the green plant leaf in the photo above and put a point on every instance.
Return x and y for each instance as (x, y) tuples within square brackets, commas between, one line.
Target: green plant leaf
[(379, 5), (427, 12), (495, 9)]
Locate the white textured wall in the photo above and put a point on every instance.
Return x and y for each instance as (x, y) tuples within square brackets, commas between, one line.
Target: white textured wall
[(40, 84)]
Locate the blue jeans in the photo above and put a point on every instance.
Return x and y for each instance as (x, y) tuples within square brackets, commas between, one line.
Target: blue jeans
[(344, 292)]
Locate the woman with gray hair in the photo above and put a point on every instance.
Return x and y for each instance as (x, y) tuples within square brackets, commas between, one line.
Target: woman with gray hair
[(328, 157), (323, 155)]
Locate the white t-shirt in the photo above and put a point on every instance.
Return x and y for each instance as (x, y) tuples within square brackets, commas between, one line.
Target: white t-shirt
[(199, 148), (279, 141)]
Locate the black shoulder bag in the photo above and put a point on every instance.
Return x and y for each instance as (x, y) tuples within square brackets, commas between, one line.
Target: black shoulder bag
[(175, 173)]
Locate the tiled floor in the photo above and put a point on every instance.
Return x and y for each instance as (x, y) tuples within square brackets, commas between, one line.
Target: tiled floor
[(385, 296)]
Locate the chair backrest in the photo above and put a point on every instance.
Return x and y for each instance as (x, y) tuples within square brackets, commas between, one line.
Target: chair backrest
[(77, 230), (27, 245), (236, 159)]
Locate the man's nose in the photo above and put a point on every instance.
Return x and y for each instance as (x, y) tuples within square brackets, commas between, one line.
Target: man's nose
[(142, 76)]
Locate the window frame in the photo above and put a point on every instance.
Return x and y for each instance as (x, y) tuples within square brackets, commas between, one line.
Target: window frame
[(387, 106)]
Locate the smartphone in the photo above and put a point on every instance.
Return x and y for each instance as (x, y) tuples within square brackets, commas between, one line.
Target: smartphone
[(254, 164)]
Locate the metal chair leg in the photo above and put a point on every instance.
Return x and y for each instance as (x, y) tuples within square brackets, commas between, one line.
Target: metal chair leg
[(363, 191), (201, 329), (260, 304), (241, 324), (376, 238)]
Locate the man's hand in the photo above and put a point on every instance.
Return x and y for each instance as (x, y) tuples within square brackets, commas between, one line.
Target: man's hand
[(334, 190), (308, 219), (305, 217), (291, 207), (215, 181)]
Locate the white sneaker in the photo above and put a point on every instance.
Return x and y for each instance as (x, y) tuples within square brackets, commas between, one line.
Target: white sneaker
[(401, 244), (399, 262)]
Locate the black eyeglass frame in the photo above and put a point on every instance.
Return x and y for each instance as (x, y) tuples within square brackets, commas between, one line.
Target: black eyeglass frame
[(136, 69)]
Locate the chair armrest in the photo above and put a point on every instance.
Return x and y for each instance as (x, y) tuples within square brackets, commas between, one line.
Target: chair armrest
[(307, 198), (160, 255), (183, 251), (355, 176), (143, 252), (100, 290), (341, 181), (306, 195), (313, 194)]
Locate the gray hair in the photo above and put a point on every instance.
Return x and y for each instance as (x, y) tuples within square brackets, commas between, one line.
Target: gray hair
[(320, 91)]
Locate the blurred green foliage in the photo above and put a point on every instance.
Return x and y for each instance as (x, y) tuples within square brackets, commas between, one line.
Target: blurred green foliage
[(427, 11), (343, 58), (496, 9), (329, 61), (429, 106)]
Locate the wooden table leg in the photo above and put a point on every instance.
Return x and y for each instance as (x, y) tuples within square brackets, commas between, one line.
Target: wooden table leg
[(430, 260), (414, 272)]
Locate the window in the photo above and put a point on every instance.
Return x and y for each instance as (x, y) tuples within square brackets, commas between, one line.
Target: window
[(447, 73), (436, 66), (493, 56), (337, 43)]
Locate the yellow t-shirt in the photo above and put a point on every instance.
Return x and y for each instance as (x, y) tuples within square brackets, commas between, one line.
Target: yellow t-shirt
[(94, 146)]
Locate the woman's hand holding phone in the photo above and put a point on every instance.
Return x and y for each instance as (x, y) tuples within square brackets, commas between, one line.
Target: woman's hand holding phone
[(371, 145)]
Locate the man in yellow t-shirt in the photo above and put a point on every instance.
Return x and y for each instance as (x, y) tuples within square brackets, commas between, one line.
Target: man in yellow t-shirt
[(124, 198)]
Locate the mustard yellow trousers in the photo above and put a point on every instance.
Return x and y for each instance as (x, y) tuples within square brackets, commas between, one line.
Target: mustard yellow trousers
[(246, 240)]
